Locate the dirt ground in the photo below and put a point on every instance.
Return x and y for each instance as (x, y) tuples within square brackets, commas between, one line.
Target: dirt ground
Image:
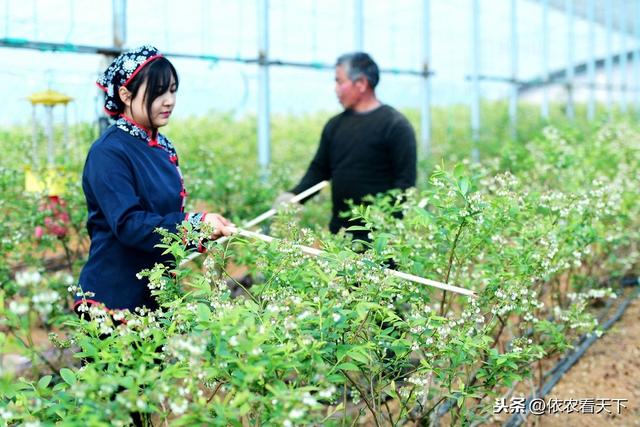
[(608, 370)]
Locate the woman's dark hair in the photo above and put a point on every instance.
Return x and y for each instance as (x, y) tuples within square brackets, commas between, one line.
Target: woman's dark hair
[(158, 75)]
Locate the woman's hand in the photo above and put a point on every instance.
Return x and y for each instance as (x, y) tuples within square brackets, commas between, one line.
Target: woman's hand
[(221, 225)]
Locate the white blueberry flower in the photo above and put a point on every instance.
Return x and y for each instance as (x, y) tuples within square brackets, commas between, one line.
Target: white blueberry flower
[(17, 308), (179, 406), (296, 413)]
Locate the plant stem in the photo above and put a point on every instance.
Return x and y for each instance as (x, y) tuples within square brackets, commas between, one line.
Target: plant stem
[(366, 401), (31, 349), (450, 266)]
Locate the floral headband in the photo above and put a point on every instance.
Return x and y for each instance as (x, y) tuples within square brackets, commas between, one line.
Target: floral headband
[(121, 71)]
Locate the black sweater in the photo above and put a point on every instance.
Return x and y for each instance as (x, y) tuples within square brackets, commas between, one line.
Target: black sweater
[(362, 154)]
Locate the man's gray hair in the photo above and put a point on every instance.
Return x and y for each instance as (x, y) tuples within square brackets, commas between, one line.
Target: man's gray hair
[(360, 64)]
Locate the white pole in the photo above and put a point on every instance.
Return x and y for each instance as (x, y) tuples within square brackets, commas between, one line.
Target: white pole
[(570, 59), (358, 25), (475, 79), (50, 153), (591, 63), (624, 64), (119, 23), (608, 15), (544, 107), (268, 214), (513, 102), (34, 141), (405, 276), (425, 107), (264, 110), (636, 60), (67, 143)]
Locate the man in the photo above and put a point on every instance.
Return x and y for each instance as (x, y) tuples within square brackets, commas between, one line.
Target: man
[(369, 148)]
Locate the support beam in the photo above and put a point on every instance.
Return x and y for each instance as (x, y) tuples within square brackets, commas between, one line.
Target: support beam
[(544, 105), (101, 50), (68, 149), (475, 81), (636, 58), (581, 10), (34, 140), (49, 131), (570, 59), (624, 64), (264, 104), (591, 62), (609, 55), (358, 25), (513, 101), (558, 77), (425, 107), (119, 23)]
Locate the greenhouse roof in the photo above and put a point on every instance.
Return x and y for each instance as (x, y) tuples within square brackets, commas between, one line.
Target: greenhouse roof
[(630, 12)]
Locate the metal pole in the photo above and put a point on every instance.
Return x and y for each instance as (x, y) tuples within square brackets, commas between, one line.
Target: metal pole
[(513, 102), (608, 62), (591, 63), (358, 25), (624, 64), (264, 130), (425, 111), (475, 80), (7, 14), (119, 23), (34, 141), (570, 59), (67, 143), (35, 19), (544, 107), (50, 154), (636, 60)]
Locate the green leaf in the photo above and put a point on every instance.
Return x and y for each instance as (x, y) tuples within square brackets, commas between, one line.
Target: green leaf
[(335, 378), (424, 213), (348, 366), (127, 382), (358, 355), (68, 376), (44, 381), (341, 351), (464, 186), (358, 228), (204, 313), (381, 242), (59, 387), (392, 390)]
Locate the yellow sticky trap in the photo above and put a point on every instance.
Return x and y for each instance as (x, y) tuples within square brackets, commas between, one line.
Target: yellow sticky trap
[(49, 97), (52, 180)]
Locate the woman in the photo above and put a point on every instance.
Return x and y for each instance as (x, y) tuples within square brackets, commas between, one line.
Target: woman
[(132, 182)]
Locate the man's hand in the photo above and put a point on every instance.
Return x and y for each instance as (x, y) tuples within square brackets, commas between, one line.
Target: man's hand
[(221, 225), (282, 199)]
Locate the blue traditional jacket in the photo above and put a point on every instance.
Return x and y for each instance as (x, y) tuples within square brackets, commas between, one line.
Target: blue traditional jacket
[(133, 185)]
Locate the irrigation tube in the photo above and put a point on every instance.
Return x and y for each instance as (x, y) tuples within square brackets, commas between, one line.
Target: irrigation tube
[(560, 368), (568, 361)]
